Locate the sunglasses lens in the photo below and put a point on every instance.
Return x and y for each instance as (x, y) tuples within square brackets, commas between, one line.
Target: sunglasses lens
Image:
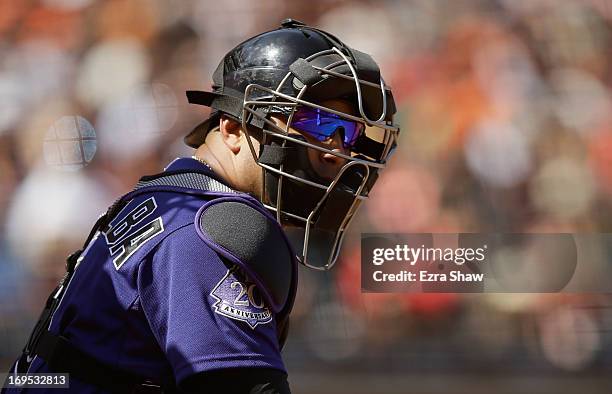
[(322, 125)]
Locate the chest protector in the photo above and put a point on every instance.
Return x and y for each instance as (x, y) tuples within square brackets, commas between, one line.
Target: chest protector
[(233, 224)]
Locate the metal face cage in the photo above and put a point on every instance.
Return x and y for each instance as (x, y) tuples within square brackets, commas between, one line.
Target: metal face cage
[(261, 103)]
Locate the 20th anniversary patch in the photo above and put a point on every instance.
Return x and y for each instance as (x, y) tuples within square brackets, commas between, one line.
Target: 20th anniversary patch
[(237, 298)]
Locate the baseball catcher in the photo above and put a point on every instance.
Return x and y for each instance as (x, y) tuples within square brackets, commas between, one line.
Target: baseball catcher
[(187, 282)]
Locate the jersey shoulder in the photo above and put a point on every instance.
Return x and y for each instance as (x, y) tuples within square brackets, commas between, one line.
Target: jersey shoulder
[(145, 221)]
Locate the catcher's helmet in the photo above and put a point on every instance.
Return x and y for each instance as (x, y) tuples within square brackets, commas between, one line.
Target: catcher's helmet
[(277, 73)]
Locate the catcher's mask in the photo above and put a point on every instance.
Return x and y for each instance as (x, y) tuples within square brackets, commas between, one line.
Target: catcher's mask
[(286, 74)]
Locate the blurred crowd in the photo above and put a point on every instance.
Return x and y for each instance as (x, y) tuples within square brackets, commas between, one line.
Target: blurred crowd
[(505, 108)]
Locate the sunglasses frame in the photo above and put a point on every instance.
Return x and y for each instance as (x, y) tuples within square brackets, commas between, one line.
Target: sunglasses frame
[(360, 126)]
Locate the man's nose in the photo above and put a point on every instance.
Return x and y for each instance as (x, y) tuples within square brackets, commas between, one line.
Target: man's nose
[(335, 143)]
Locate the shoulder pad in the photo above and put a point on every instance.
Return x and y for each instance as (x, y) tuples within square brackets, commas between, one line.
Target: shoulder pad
[(250, 237)]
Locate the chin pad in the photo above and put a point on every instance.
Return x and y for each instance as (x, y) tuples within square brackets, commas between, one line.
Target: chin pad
[(247, 235)]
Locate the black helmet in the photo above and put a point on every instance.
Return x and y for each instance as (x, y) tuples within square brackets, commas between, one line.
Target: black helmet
[(300, 66)]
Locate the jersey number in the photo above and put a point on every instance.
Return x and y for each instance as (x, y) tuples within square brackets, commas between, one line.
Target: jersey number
[(126, 236)]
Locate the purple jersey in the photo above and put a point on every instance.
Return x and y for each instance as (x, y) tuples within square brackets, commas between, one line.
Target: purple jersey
[(150, 297)]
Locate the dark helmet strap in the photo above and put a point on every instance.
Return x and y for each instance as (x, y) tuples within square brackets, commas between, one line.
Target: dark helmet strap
[(305, 72), (275, 155), (363, 61), (365, 64), (369, 147)]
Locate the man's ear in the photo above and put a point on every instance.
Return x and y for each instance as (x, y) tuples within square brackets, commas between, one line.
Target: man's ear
[(231, 133)]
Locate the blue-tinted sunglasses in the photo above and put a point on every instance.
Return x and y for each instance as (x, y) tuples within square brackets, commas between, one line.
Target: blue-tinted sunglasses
[(322, 125)]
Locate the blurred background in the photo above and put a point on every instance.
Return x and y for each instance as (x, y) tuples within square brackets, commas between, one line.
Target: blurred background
[(506, 118)]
